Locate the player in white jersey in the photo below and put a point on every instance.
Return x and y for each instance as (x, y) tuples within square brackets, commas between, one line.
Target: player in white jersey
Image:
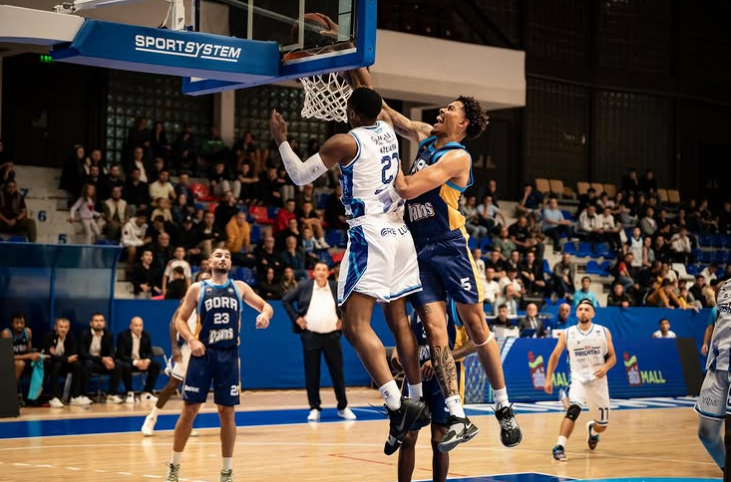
[(591, 356), (177, 366), (713, 404), (380, 264)]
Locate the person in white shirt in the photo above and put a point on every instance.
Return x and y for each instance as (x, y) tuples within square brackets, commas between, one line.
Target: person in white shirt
[(115, 214), (664, 331), (317, 319), (680, 246), (492, 287), (162, 188), (634, 245), (178, 260), (133, 235), (85, 207), (480, 263)]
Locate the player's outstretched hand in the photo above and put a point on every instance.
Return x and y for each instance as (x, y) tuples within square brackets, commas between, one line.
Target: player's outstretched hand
[(262, 322), (278, 127), (548, 387), (197, 348)]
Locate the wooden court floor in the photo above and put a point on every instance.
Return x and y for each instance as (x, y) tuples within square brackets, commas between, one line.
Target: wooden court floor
[(646, 442)]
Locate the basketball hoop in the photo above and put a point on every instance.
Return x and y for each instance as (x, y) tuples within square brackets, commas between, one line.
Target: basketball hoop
[(326, 97)]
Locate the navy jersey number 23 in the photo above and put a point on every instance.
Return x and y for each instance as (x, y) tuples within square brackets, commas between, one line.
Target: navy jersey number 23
[(219, 315)]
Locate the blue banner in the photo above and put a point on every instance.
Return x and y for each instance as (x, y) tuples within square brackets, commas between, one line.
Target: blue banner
[(645, 368), (169, 52)]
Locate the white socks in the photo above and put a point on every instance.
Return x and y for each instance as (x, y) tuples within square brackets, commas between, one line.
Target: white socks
[(454, 405), (561, 441), (501, 398), (391, 394), (416, 392), (155, 412), (175, 459), (227, 461)]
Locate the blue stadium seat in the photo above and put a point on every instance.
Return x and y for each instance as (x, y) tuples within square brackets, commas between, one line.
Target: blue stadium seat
[(584, 250), (706, 257), (567, 215), (697, 254), (705, 240), (325, 257), (16, 239), (592, 267), (106, 242), (487, 244), (600, 250), (337, 238), (272, 211), (569, 248), (200, 207), (246, 275), (547, 268), (321, 200), (693, 269), (720, 256), (472, 243), (718, 240), (605, 268), (255, 234)]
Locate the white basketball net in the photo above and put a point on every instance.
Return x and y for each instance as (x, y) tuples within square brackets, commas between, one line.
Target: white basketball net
[(326, 97)]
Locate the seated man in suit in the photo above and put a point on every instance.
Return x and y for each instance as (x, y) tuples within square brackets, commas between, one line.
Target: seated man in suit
[(134, 354), (318, 321), (60, 346), (96, 352), (531, 322)]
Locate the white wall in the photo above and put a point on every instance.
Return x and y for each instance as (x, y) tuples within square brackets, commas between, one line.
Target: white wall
[(435, 71)]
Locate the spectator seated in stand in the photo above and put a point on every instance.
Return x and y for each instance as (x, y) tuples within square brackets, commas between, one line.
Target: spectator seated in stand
[(497, 263), (492, 287), (238, 240), (269, 287), (226, 210), (136, 192), (62, 358), (563, 278), (501, 319), (309, 247), (134, 354), (116, 215), (266, 257), (14, 214), (288, 281), (177, 286), (509, 299), (585, 293), (110, 181), (210, 237), (554, 225), (292, 229), (134, 235), (178, 261), (531, 273), (664, 331), (22, 337), (293, 258), (531, 322), (564, 318), (96, 353), (664, 297), (143, 277), (525, 239), (308, 217), (162, 188), (618, 297)]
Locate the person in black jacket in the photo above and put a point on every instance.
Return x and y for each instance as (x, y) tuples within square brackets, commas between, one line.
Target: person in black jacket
[(134, 354), (96, 352), (62, 358), (317, 319)]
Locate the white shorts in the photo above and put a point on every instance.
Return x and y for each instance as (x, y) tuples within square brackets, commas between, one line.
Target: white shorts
[(713, 400), (178, 370), (380, 260), (595, 395)]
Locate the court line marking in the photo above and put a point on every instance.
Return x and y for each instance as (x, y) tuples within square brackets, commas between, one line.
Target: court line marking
[(392, 464), (326, 444)]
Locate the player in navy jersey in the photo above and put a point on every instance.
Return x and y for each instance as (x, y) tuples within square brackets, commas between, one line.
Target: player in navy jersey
[(214, 354), (461, 346), (441, 172)]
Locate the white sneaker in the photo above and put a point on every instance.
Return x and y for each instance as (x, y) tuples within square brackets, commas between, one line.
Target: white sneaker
[(55, 403), (130, 398), (114, 399), (81, 400), (148, 397), (323, 243), (314, 416), (347, 414), (149, 426), (195, 433)]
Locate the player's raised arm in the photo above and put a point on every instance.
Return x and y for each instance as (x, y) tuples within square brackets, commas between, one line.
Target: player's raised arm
[(340, 147), (451, 165), (249, 297), (405, 127), (553, 362)]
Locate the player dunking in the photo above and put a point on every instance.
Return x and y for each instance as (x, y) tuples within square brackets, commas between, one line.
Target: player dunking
[(591, 356), (380, 261), (214, 355), (714, 402), (178, 368), (440, 174)]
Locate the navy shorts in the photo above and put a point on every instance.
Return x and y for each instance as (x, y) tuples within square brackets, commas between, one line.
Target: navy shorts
[(217, 365), (446, 268)]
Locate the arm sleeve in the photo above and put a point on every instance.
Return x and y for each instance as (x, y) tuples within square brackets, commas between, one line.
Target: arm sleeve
[(300, 172)]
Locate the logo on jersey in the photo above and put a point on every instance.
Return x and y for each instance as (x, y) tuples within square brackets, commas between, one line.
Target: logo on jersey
[(188, 388), (418, 166), (417, 212), (388, 232), (725, 308), (588, 351), (214, 336), (221, 302), (637, 377)]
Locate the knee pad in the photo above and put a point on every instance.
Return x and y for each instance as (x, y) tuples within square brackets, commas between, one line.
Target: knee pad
[(573, 412)]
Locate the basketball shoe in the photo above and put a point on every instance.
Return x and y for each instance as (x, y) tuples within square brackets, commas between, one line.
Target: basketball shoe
[(173, 473), (510, 433), (460, 430), (226, 476), (410, 413), (559, 453), (592, 440)]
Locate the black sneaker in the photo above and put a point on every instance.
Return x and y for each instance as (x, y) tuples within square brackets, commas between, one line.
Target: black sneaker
[(510, 434), (592, 440), (402, 421), (559, 454), (423, 420), (460, 430)]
